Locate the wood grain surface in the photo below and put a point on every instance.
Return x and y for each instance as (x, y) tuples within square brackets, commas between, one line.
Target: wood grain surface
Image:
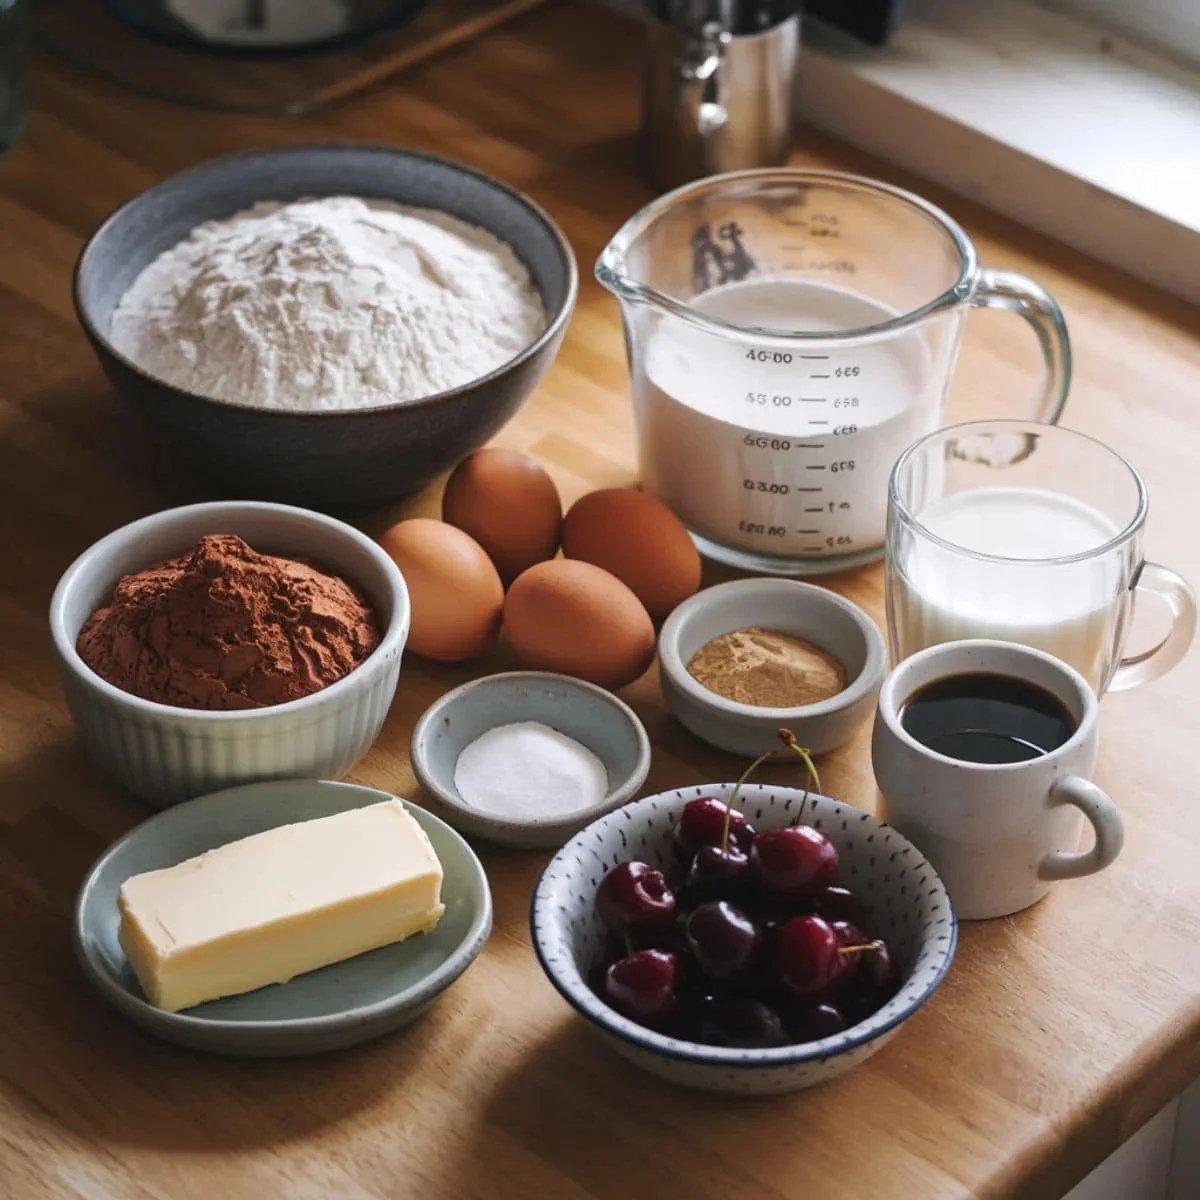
[(1057, 1033)]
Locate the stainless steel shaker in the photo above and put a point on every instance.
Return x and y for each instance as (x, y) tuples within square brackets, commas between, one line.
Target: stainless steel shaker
[(718, 86)]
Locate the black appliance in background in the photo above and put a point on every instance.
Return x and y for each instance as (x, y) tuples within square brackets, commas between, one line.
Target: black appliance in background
[(871, 21), (264, 27)]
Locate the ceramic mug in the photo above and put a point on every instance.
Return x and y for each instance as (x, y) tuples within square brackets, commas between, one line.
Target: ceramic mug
[(999, 834)]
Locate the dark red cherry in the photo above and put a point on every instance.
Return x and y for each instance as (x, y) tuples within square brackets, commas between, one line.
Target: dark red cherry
[(643, 986), (723, 939), (748, 1023), (815, 1023), (807, 959), (849, 934), (702, 823), (877, 969), (634, 896), (716, 872), (791, 862), (836, 903), (872, 981)]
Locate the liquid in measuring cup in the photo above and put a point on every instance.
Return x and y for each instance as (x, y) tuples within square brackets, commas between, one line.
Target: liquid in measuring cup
[(786, 451)]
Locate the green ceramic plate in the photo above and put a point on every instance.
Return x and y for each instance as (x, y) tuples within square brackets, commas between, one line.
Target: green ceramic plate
[(337, 1006)]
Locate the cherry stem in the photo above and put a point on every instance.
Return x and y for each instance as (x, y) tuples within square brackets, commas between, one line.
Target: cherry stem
[(736, 794), (788, 738), (860, 948)]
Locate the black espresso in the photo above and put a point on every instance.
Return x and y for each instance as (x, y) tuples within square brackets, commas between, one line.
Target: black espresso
[(985, 718)]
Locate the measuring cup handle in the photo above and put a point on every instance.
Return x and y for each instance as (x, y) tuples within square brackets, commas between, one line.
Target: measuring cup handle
[(1178, 596), (1016, 293)]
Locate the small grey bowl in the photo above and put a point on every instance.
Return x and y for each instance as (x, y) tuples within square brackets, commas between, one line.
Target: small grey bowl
[(801, 609), (324, 458), (164, 754), (589, 714)]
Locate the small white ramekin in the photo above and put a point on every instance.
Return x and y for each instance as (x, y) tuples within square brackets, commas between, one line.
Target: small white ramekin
[(165, 754)]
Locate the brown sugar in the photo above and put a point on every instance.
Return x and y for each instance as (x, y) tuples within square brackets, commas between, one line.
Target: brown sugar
[(768, 669)]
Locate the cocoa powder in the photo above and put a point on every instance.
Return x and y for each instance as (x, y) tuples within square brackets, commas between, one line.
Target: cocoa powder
[(224, 627), (767, 669)]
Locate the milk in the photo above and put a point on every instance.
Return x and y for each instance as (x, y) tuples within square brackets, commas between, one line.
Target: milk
[(781, 450), (1073, 610)]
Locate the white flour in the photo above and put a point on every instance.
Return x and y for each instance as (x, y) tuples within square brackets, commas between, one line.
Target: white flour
[(337, 303)]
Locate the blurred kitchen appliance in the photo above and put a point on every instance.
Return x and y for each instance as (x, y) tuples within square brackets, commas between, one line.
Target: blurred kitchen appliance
[(718, 87), (264, 26), (260, 56)]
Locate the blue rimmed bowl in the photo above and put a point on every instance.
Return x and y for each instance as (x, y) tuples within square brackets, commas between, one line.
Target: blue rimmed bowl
[(906, 902)]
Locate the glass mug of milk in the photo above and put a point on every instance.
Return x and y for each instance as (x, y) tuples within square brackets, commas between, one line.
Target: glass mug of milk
[(1026, 533), (789, 333)]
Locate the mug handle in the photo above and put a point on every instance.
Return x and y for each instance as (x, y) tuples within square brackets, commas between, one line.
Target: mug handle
[(1106, 823), (1017, 293), (1178, 596)]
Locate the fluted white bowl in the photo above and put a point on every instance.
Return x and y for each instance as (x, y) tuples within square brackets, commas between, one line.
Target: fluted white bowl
[(165, 754)]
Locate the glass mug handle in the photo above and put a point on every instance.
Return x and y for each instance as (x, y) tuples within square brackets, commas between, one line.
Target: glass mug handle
[(1019, 294), (1178, 596)]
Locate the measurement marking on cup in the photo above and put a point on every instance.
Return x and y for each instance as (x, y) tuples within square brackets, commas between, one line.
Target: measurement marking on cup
[(812, 549), (813, 532), (800, 489), (815, 357), (815, 376), (819, 508), (818, 422), (812, 399), (810, 445)]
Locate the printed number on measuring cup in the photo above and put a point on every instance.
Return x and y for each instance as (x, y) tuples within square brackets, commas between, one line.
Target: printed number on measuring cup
[(761, 485), (758, 441), (846, 464), (773, 356), (756, 527), (762, 398)]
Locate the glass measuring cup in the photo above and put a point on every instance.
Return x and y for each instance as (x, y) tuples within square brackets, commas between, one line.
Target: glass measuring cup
[(789, 333)]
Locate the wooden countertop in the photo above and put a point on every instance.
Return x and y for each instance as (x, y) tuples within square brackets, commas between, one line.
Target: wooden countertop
[(1055, 1036)]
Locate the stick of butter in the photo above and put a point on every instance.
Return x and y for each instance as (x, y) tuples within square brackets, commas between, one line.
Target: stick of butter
[(277, 904)]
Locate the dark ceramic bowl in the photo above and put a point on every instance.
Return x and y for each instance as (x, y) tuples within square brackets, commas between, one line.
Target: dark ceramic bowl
[(324, 458)]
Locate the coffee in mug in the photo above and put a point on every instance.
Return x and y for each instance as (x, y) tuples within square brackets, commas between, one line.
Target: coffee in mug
[(983, 751)]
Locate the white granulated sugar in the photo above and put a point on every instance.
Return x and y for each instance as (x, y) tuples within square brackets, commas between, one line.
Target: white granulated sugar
[(338, 303), (527, 772)]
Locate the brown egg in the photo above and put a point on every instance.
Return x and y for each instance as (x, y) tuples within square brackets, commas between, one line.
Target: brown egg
[(640, 540), (509, 505), (579, 620), (456, 595)]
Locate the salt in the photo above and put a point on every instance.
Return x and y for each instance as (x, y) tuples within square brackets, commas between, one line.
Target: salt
[(527, 771)]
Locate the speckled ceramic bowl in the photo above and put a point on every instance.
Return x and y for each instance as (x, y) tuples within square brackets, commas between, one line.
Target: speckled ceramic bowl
[(324, 458), (906, 900), (164, 754), (596, 718)]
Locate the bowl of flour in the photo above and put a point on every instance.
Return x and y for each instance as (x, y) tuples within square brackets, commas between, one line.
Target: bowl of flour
[(329, 325)]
